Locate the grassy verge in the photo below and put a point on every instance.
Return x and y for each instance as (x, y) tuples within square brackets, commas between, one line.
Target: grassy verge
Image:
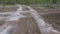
[(45, 5)]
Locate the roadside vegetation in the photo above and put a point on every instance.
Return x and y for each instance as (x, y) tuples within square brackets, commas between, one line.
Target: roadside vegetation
[(28, 1), (45, 3)]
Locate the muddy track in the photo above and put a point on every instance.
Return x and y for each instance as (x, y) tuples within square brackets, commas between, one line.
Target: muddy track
[(27, 22)]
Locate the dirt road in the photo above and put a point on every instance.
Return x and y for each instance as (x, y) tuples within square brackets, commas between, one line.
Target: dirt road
[(27, 21)]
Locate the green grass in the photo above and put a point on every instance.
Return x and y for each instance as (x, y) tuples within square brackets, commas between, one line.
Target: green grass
[(34, 3), (28, 1)]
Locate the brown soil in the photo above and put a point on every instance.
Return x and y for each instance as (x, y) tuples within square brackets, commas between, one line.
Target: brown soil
[(27, 26), (51, 16), (53, 19), (6, 9)]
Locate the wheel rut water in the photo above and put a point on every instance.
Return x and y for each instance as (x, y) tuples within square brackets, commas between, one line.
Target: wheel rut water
[(27, 25)]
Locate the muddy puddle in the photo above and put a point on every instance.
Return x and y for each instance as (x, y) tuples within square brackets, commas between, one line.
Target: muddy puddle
[(27, 21)]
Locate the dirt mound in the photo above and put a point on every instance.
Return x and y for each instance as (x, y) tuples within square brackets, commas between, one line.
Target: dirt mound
[(27, 26)]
